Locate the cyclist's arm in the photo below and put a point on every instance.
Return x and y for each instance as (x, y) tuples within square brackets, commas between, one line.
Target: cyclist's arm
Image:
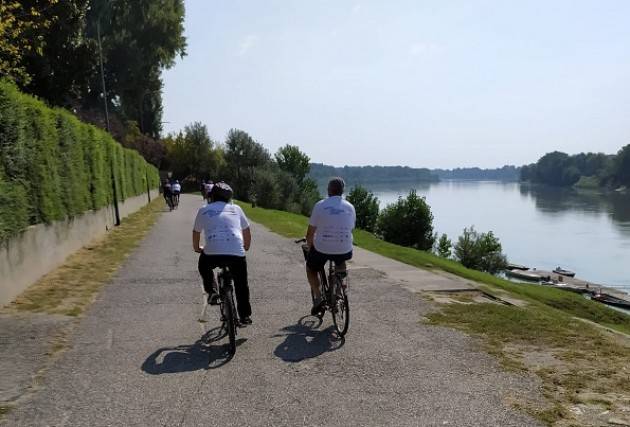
[(310, 234), (196, 236), (247, 238)]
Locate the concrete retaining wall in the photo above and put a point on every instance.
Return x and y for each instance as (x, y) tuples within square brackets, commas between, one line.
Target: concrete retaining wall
[(43, 247)]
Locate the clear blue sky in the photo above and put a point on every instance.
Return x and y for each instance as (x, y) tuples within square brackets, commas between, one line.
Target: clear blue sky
[(417, 83)]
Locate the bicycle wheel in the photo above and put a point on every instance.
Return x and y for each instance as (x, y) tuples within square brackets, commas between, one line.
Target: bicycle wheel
[(341, 309), (229, 312)]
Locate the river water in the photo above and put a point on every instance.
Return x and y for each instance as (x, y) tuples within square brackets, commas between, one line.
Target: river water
[(541, 227)]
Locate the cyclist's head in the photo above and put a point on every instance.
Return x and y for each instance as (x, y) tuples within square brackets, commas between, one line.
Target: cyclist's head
[(336, 186), (221, 192), (176, 181)]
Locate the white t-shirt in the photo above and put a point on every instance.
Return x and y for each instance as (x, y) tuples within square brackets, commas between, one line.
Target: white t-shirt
[(177, 187), (222, 225), (334, 218)]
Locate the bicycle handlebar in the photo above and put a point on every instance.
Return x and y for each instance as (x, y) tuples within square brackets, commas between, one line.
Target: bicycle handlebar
[(302, 240)]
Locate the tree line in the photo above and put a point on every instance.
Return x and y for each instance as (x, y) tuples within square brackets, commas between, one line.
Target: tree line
[(278, 181), (361, 175), (591, 170), (50, 49)]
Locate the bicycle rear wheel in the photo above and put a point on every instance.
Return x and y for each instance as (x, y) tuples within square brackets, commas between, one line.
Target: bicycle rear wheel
[(229, 312), (341, 309)]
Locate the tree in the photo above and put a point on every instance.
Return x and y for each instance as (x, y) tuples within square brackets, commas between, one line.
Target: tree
[(140, 39), (243, 156), (480, 251), (621, 168), (408, 222), (444, 246), (366, 207), (22, 26), (290, 159), (192, 154)]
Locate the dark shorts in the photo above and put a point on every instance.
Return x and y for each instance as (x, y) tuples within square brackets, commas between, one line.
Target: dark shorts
[(316, 260)]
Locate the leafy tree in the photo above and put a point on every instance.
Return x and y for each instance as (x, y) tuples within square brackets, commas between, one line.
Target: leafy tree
[(192, 154), (444, 246), (22, 26), (408, 222), (243, 156), (366, 206), (621, 167), (480, 251), (309, 195), (290, 159)]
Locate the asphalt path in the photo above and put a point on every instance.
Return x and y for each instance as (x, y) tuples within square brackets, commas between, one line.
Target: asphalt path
[(140, 357)]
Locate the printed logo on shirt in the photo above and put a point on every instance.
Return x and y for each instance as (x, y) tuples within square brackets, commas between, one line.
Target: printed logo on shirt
[(334, 211)]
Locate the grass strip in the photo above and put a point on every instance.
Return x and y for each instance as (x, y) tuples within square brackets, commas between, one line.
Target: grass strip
[(69, 289), (294, 226)]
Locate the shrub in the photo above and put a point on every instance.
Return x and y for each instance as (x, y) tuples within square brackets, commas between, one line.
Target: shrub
[(407, 222), (480, 251), (309, 195), (265, 189), (366, 207)]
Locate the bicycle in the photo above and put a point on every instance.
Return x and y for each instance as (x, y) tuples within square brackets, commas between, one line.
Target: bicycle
[(334, 293), (227, 306)]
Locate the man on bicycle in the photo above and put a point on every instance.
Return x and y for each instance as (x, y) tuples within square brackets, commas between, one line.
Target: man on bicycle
[(227, 237), (167, 190), (177, 189), (329, 236)]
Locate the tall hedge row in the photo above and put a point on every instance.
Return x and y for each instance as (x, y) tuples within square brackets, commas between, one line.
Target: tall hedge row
[(53, 166)]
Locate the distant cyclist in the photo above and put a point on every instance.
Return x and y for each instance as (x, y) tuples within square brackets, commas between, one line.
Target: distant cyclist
[(208, 189), (329, 236), (167, 190), (227, 237), (177, 189)]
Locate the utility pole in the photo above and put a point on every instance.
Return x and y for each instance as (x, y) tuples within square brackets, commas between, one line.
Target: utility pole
[(111, 164)]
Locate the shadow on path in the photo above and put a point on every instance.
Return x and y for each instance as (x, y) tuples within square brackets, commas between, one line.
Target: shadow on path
[(304, 341), (191, 357)]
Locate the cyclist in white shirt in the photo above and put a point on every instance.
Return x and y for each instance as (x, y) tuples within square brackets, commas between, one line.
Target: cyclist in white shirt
[(227, 237), (329, 236), (177, 189)]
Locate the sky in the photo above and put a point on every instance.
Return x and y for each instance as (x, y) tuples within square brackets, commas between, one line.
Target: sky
[(436, 84)]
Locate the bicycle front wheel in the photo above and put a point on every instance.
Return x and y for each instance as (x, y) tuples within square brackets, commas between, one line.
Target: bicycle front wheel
[(229, 312), (341, 309)]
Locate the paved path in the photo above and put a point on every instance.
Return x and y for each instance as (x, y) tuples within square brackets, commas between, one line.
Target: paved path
[(137, 357)]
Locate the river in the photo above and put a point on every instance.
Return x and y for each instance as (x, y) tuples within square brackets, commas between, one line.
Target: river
[(541, 227)]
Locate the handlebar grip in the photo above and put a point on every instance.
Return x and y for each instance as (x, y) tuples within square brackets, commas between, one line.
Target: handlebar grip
[(302, 240)]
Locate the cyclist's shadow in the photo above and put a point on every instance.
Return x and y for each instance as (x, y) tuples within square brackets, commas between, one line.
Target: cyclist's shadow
[(304, 341), (191, 357)]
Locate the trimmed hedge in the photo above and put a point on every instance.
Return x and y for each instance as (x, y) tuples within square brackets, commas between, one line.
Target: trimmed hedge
[(54, 166)]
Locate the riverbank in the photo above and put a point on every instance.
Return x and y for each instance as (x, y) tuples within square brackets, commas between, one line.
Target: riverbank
[(561, 337)]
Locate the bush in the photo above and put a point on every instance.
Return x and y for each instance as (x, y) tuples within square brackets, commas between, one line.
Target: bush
[(480, 251), (53, 166), (309, 195), (366, 207), (407, 222)]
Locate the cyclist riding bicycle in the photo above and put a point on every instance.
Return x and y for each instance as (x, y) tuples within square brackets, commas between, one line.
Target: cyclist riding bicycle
[(329, 236), (167, 190), (227, 237), (177, 189)]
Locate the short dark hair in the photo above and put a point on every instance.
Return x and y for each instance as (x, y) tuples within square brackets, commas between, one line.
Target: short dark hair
[(336, 186)]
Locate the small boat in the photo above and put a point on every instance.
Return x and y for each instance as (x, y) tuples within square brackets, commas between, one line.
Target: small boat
[(561, 271), (611, 300), (512, 266), (523, 275)]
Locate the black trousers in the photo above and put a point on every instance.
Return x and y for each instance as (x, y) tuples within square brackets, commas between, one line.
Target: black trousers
[(238, 268)]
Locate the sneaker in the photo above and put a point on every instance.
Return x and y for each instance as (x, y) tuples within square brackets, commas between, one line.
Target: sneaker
[(246, 320), (317, 307), (213, 298)]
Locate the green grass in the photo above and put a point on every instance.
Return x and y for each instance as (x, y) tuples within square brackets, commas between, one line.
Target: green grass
[(294, 226)]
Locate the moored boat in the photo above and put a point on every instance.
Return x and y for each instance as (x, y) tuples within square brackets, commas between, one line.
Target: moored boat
[(611, 300), (512, 266), (561, 271), (523, 275)]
